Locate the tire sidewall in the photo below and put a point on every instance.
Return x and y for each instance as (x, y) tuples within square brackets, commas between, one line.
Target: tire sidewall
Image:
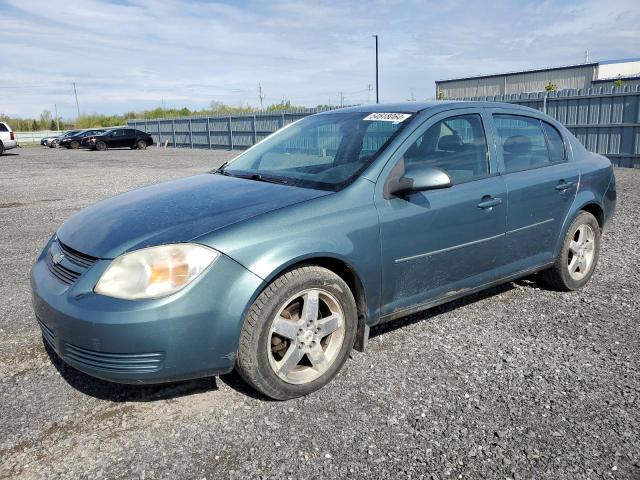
[(326, 280), (104, 146), (583, 218), (74, 145), (141, 144)]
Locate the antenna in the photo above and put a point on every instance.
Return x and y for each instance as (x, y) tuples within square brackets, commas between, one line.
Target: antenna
[(587, 56)]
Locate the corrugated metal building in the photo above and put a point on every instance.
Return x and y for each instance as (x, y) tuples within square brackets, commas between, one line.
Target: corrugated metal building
[(581, 76)]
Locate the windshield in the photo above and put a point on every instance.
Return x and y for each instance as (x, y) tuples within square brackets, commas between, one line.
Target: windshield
[(325, 151)]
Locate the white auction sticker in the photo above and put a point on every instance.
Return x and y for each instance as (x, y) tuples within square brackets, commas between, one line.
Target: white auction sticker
[(387, 117)]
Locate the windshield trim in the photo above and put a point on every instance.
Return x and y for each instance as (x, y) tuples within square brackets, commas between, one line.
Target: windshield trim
[(312, 184)]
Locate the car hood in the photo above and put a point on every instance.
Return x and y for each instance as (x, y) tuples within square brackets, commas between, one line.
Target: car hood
[(176, 211)]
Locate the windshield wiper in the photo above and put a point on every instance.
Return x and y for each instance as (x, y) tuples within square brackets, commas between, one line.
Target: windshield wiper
[(250, 176), (220, 169), (261, 178)]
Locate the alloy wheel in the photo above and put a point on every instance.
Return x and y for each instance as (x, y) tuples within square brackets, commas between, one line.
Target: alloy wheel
[(306, 336), (581, 252)]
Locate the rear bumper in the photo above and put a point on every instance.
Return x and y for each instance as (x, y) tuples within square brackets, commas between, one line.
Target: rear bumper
[(9, 144), (191, 334)]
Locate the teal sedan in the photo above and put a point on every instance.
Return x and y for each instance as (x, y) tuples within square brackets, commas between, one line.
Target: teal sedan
[(278, 263)]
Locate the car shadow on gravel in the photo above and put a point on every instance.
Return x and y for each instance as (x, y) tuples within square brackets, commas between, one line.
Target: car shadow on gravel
[(117, 392), (430, 313)]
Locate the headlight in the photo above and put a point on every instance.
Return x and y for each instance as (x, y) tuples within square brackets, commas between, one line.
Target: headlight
[(155, 272)]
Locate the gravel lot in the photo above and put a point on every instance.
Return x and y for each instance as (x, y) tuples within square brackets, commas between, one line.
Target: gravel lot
[(517, 382)]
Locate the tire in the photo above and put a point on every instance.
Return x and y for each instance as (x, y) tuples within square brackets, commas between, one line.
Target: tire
[(1, 148), (101, 146), (53, 145), (578, 256), (141, 144), (74, 145), (327, 338)]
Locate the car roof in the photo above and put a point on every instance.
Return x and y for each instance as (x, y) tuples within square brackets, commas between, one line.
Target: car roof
[(415, 107)]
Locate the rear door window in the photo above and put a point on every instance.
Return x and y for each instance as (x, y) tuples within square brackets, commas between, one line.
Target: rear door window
[(3, 128), (523, 142)]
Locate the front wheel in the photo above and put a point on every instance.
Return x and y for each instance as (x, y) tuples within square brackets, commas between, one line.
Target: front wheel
[(74, 145), (298, 333), (100, 145), (141, 145), (578, 257)]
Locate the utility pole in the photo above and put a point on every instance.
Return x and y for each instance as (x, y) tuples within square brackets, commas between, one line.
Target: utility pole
[(55, 109), (587, 56), (342, 99), (76, 94), (260, 94), (377, 90), (369, 93)]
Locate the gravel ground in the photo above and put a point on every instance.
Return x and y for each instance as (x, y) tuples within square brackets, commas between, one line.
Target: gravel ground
[(516, 382)]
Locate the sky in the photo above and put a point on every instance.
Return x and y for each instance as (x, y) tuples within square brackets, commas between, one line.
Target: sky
[(128, 55)]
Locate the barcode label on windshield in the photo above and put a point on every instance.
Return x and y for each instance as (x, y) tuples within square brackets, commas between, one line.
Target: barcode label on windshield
[(387, 117)]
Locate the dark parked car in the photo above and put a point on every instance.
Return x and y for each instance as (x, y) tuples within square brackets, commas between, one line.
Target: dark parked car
[(278, 263), (75, 141), (121, 138)]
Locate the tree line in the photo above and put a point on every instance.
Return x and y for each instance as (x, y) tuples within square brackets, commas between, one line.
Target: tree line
[(46, 121)]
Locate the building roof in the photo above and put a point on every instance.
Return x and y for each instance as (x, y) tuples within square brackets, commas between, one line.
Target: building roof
[(517, 72)]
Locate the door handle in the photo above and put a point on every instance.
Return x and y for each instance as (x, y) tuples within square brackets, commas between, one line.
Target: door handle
[(489, 202), (562, 186)]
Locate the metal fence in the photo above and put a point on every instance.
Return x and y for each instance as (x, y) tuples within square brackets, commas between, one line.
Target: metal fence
[(35, 137), (605, 120), (219, 131)]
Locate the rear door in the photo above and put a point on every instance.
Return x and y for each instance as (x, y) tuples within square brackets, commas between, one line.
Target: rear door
[(130, 137), (541, 183)]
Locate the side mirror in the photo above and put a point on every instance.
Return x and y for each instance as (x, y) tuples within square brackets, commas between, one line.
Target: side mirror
[(418, 179)]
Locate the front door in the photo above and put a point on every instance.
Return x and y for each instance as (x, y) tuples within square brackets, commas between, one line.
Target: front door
[(439, 242)]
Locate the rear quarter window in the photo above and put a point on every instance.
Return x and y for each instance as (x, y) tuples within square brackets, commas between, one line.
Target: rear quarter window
[(3, 128), (557, 151)]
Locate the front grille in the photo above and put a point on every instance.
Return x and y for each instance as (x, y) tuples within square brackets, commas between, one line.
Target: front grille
[(76, 257), (62, 273), (71, 263), (115, 362), (47, 333)]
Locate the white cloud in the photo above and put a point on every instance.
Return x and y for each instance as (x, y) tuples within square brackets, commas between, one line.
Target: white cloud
[(129, 55)]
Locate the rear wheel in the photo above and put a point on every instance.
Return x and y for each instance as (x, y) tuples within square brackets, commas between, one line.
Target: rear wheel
[(1, 148), (100, 145), (141, 145), (298, 333), (579, 255), (74, 145)]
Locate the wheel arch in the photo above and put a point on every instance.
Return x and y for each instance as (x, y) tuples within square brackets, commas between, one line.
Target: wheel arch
[(348, 273), (588, 202)]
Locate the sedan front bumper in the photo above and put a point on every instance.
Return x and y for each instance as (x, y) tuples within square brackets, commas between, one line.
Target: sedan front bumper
[(193, 333)]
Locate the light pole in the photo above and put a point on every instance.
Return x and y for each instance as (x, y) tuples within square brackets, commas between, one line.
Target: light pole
[(377, 93)]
